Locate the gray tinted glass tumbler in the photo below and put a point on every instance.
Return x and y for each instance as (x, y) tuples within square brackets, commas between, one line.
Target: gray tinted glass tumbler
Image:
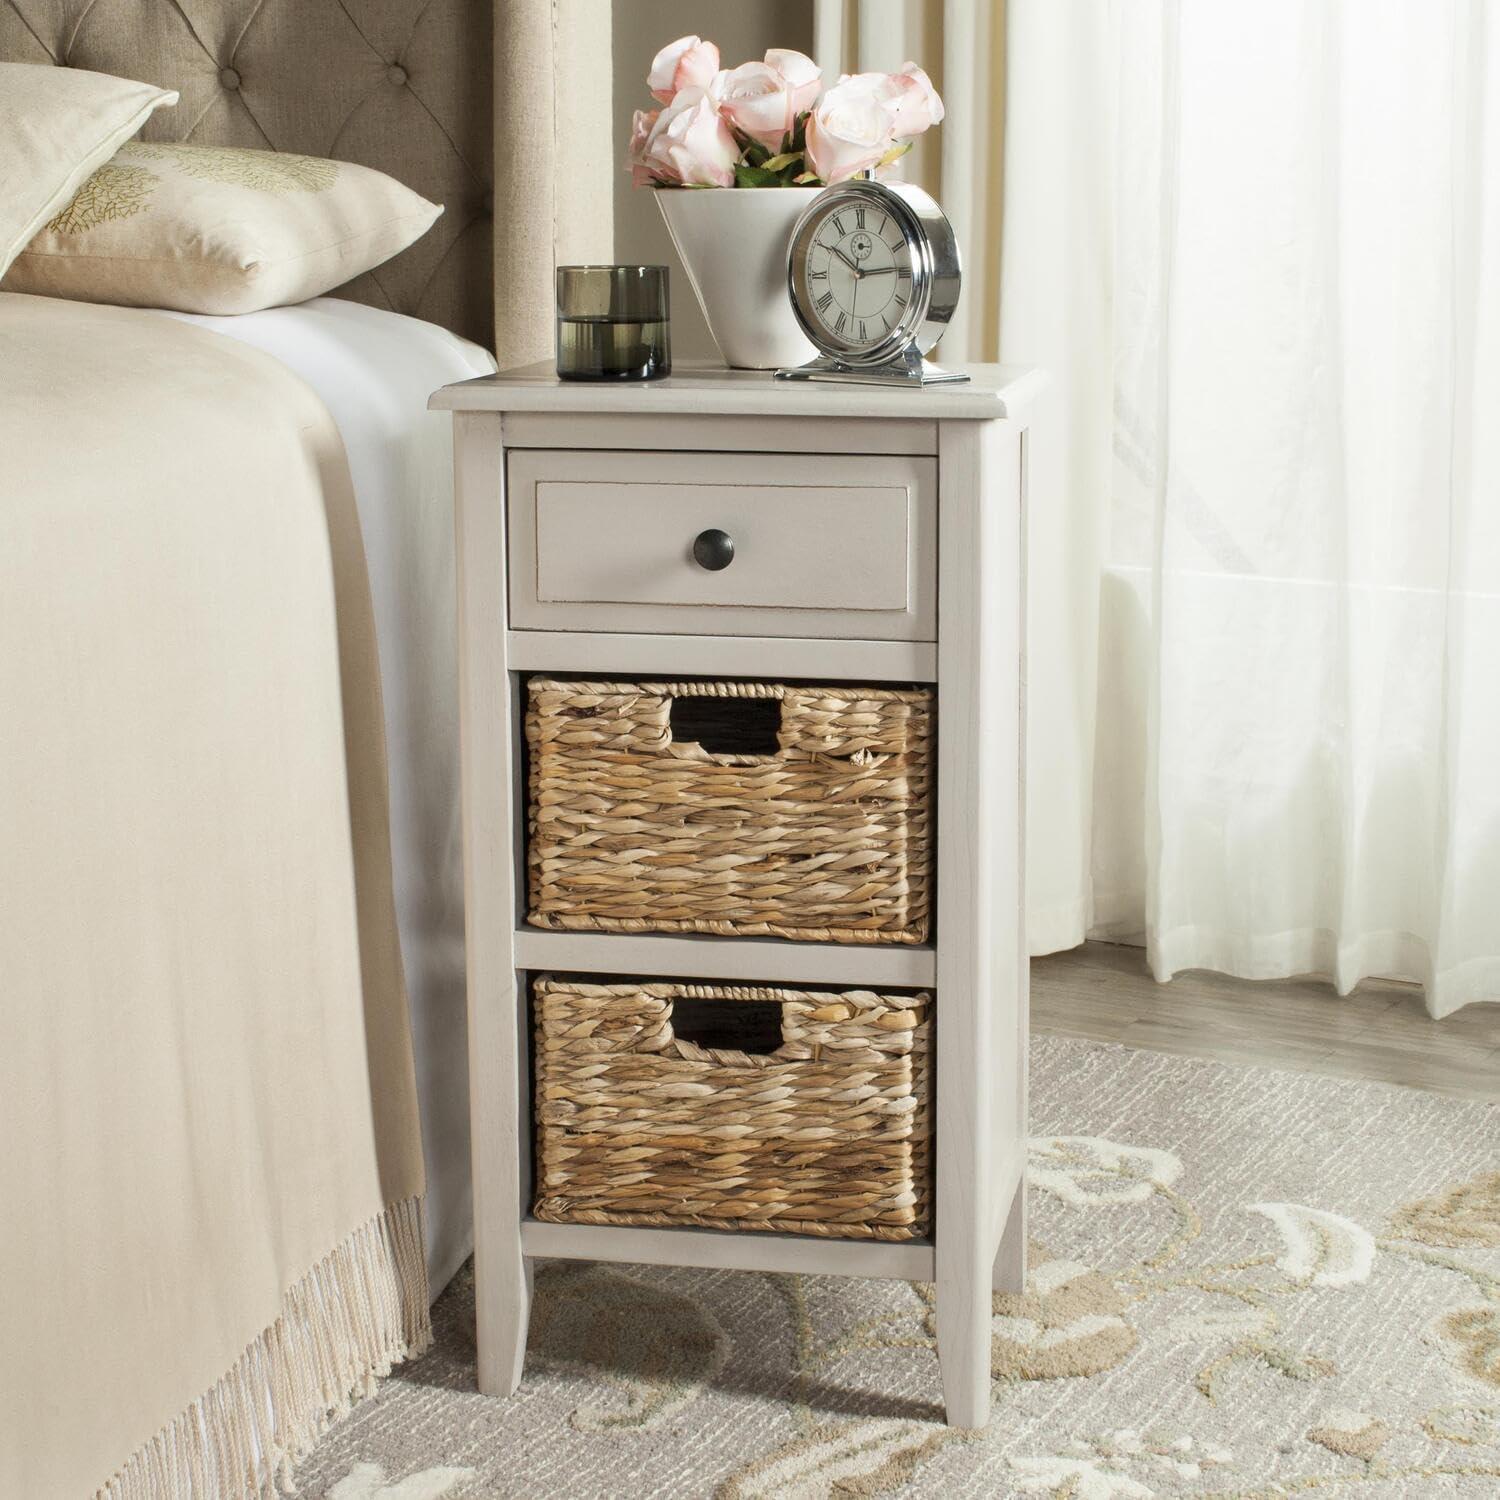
[(612, 323)]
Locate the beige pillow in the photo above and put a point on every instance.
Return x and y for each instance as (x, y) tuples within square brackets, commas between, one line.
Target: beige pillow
[(56, 126), (219, 229)]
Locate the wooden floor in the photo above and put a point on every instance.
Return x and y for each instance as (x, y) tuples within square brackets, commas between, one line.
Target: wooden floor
[(1104, 992)]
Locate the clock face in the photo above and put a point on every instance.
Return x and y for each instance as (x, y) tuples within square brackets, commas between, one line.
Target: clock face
[(852, 269)]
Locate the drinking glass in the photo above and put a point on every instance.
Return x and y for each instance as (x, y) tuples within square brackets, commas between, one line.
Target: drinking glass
[(612, 323)]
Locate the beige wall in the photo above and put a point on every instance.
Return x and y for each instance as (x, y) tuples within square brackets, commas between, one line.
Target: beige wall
[(742, 31)]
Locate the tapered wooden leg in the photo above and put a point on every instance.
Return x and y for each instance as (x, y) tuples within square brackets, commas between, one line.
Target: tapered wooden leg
[(499, 1058), (979, 1026), (963, 1329), (502, 1158), (503, 1317), (964, 1244), (1010, 1254)]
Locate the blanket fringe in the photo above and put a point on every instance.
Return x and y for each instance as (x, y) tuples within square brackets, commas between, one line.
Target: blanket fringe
[(358, 1312)]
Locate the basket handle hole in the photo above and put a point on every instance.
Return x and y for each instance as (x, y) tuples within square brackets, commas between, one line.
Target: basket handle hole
[(727, 726), (751, 1026)]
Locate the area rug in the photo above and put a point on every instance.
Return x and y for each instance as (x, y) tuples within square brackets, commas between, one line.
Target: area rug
[(1245, 1283)]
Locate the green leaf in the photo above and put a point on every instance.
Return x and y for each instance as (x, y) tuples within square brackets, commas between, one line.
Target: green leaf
[(808, 178), (756, 154), (754, 177), (776, 163), (895, 153)]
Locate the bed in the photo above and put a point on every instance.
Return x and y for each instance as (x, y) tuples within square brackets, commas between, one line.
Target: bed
[(373, 370), (231, 1057)]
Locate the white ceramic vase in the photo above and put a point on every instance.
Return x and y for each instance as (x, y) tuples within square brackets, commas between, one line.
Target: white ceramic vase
[(733, 246)]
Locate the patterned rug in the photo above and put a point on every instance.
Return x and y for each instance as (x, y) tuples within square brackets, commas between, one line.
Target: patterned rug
[(1245, 1283)]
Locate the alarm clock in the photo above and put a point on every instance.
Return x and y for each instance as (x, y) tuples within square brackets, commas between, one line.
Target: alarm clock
[(873, 274)]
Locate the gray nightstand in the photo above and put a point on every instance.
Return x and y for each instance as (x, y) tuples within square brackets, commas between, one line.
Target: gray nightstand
[(877, 537)]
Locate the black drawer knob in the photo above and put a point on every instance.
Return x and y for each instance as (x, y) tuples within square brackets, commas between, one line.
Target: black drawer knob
[(713, 549)]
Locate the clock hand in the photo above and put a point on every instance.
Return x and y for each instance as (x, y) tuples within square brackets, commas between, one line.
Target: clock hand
[(838, 251), (877, 270)]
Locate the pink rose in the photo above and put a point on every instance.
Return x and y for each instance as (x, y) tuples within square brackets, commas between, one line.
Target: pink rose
[(687, 63), (755, 99), (635, 156), (690, 144), (803, 76), (851, 128), (915, 101)]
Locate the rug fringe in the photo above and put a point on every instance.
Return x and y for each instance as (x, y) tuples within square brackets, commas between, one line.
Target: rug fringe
[(358, 1312)]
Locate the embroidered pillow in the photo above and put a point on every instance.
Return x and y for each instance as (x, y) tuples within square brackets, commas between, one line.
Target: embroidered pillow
[(219, 229), (56, 126)]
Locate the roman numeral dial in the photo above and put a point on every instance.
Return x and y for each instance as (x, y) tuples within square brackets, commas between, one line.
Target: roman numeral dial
[(852, 273)]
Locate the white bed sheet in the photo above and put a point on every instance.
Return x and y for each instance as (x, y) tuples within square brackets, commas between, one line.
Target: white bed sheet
[(374, 371)]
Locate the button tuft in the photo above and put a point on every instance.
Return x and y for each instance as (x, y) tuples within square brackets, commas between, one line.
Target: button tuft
[(396, 73), (229, 77)]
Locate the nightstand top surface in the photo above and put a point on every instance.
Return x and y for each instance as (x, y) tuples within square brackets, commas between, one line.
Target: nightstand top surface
[(703, 389)]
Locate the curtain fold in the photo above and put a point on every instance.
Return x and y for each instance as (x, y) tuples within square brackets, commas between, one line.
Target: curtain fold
[(1024, 138), (961, 45), (1257, 251), (554, 161)]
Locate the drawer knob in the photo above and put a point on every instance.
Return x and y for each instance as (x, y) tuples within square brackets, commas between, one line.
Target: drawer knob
[(713, 549)]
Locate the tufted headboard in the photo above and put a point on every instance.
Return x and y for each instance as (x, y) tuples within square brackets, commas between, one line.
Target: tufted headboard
[(404, 86)]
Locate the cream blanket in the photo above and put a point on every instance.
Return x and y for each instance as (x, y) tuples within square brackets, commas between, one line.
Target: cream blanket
[(210, 1172)]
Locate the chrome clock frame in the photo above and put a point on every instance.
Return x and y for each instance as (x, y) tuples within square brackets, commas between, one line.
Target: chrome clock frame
[(937, 276)]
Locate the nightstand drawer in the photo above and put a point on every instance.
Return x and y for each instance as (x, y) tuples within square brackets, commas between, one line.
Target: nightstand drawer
[(723, 543)]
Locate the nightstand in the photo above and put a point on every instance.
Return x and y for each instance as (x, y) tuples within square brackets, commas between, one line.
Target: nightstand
[(720, 525)]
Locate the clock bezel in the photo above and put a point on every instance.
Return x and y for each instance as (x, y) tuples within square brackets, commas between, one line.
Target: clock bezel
[(935, 272)]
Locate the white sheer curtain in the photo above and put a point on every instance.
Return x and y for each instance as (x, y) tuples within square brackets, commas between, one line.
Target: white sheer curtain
[(1260, 248), (966, 165)]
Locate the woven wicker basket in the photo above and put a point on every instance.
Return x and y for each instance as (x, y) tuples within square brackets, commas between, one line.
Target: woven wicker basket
[(827, 1132), (737, 808)]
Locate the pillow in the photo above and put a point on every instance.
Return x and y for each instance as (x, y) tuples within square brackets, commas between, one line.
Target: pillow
[(218, 229), (56, 126)]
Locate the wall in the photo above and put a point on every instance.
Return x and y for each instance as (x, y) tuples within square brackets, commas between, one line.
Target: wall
[(641, 28)]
